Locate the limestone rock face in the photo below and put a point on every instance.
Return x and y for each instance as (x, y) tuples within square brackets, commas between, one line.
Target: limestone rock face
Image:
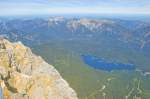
[(24, 75)]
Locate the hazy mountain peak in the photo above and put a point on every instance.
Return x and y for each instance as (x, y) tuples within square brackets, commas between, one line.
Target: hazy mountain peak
[(55, 20), (59, 18), (89, 23)]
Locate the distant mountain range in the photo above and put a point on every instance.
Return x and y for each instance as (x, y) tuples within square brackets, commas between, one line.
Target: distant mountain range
[(133, 34)]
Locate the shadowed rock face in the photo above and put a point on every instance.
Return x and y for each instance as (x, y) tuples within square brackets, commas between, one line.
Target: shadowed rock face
[(24, 75)]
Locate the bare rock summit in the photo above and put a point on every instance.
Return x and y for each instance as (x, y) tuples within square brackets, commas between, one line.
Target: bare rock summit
[(23, 75)]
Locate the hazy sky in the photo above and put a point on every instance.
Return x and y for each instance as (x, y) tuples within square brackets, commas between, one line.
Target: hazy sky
[(33, 7)]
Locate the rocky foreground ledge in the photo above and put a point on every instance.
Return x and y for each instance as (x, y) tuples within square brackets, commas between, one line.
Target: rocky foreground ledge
[(24, 75)]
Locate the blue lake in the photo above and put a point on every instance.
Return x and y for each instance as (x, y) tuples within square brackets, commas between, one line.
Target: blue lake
[(99, 63)]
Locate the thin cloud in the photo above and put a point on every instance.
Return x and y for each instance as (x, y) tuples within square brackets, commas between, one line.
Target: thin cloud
[(26, 7)]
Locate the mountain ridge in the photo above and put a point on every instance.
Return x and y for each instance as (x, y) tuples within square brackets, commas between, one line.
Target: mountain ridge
[(132, 33)]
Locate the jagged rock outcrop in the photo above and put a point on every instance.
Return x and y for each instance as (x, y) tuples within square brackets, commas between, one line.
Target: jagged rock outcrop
[(24, 75)]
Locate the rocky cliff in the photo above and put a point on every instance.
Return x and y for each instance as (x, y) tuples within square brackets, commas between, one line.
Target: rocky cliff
[(23, 75)]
